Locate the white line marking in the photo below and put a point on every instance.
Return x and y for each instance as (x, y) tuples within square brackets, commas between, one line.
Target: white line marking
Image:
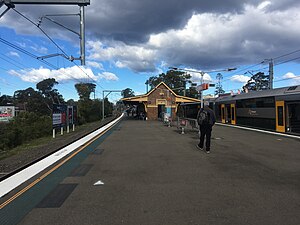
[(19, 178), (262, 131)]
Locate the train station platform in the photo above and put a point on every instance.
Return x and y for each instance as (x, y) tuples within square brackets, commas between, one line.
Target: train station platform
[(142, 172)]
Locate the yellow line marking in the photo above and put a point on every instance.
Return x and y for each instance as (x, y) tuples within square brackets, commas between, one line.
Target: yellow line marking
[(53, 169)]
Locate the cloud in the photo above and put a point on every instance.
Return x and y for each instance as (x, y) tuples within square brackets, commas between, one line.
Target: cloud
[(137, 58), (63, 74), (108, 76), (196, 77), (240, 78), (39, 49), (15, 54), (94, 65), (140, 34), (295, 79)]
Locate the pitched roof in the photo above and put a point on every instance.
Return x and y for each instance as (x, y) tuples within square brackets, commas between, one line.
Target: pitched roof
[(145, 96)]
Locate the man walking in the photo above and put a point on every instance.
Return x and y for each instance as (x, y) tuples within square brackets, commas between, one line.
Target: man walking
[(206, 119)]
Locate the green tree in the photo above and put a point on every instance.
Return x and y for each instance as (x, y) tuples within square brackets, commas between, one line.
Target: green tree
[(219, 89), (128, 92), (84, 90), (176, 80), (46, 88), (258, 81), (32, 101), (6, 99)]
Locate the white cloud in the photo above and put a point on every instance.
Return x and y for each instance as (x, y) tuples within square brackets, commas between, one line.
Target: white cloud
[(15, 54), (39, 49), (196, 77), (240, 78), (63, 74), (264, 5), (95, 65), (294, 78), (137, 58), (108, 76)]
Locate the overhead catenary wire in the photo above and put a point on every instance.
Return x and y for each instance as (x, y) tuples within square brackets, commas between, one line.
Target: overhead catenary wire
[(66, 55), (37, 58)]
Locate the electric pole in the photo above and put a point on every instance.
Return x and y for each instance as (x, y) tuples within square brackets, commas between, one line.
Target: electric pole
[(271, 73), (81, 3)]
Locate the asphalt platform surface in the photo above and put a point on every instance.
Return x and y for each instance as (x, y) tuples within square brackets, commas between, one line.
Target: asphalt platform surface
[(154, 175)]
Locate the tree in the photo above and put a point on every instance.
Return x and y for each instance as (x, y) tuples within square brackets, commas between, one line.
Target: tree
[(46, 88), (84, 90), (6, 99), (128, 92), (176, 80), (51, 96), (258, 81), (32, 101), (192, 93), (219, 89)]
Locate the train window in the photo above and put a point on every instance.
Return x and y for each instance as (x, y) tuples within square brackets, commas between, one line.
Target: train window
[(292, 88), (280, 115), (256, 103), (232, 113)]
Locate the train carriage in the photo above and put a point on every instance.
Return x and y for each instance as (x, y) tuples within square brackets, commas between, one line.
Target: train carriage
[(276, 109)]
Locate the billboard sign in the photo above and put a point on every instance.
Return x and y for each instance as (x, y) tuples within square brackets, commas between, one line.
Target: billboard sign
[(6, 113), (59, 115)]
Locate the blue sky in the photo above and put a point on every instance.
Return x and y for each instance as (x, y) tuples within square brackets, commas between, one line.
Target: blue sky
[(128, 42)]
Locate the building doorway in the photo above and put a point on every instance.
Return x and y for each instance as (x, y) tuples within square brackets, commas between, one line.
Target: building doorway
[(160, 111)]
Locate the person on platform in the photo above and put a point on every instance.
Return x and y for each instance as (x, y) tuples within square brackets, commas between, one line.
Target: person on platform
[(206, 119)]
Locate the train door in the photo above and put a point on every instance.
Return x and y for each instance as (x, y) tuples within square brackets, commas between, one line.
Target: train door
[(228, 113), (293, 117), (280, 116), (223, 113), (233, 114)]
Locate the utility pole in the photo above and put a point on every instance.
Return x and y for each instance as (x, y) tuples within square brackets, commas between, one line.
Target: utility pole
[(271, 74), (81, 3), (109, 91), (82, 35)]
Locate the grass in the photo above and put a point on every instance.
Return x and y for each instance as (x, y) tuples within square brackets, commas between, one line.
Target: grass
[(48, 140)]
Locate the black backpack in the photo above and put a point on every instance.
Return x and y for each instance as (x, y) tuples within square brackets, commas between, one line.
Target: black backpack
[(203, 117)]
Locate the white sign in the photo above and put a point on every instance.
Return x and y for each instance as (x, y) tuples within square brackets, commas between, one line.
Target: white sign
[(56, 119)]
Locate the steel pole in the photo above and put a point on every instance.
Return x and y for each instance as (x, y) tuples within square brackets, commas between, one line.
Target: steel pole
[(202, 74), (82, 35), (103, 106)]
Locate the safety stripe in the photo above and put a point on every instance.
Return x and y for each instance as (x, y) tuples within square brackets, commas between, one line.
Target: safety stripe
[(53, 169)]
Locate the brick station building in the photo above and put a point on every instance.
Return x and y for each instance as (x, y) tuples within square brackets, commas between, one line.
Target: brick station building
[(159, 100)]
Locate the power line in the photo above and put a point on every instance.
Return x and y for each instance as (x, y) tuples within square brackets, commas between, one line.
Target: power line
[(66, 55), (42, 32), (36, 57), (288, 78), (290, 53)]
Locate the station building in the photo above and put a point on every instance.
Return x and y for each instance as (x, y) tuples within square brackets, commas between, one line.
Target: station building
[(160, 100)]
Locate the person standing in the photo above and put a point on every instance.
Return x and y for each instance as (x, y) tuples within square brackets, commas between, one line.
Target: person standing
[(206, 118)]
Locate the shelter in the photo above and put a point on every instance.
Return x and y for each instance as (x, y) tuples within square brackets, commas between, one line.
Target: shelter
[(158, 102)]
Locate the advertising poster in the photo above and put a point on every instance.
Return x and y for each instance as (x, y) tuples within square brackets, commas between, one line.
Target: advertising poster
[(59, 115), (70, 115), (6, 113)]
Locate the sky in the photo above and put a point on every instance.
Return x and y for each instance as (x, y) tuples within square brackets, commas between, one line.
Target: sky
[(129, 41)]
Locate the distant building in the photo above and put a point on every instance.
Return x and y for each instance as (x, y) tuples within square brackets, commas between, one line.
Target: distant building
[(158, 102)]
